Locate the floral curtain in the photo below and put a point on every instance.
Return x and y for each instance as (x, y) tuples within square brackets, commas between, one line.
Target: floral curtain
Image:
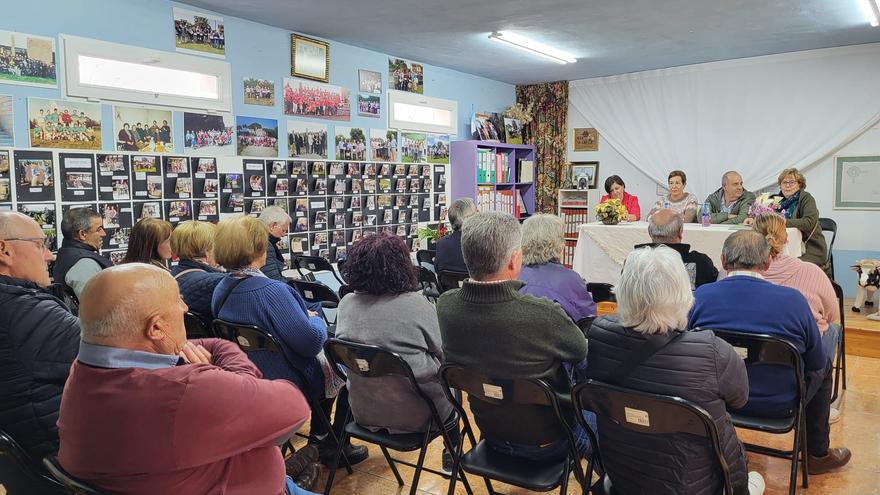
[(548, 106)]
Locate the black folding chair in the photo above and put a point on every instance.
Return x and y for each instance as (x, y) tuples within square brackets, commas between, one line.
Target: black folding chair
[(426, 256), (585, 323), (484, 461), (316, 292), (663, 415), (762, 349), (372, 362), (430, 285), (73, 485), (451, 280), (829, 225), (601, 292), (30, 472), (195, 326), (840, 360), (253, 339), (314, 264)]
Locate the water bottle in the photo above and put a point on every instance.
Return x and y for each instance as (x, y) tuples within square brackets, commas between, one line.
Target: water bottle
[(666, 204), (705, 218)]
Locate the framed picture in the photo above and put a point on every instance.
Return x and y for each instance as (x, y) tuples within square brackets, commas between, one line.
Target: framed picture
[(586, 139), (309, 58), (369, 81), (856, 184), (583, 174), (27, 59)]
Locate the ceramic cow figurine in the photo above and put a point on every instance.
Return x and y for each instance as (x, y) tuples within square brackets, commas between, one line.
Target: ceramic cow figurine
[(869, 281)]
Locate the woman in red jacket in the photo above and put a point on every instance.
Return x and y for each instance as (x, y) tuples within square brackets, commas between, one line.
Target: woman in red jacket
[(616, 189)]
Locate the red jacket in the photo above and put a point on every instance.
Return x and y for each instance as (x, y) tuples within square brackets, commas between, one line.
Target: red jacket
[(189, 429), (630, 202)]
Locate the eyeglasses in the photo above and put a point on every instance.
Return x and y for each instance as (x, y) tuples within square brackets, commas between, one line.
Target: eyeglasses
[(39, 241), (789, 182)]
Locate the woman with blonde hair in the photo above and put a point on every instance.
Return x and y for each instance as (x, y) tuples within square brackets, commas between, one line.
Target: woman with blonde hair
[(196, 273), (150, 243), (806, 278), (799, 208)]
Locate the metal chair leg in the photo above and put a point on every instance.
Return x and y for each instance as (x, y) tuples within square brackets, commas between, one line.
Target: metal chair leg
[(420, 462), (392, 465), (335, 464), (795, 451), (804, 454)]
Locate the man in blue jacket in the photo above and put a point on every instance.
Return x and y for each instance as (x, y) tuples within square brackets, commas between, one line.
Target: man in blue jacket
[(745, 302)]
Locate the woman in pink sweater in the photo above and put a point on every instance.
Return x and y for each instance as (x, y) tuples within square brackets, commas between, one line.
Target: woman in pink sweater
[(807, 278)]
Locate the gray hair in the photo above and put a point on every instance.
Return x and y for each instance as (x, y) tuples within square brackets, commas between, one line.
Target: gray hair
[(488, 240), (274, 214), (667, 232), (745, 250), (77, 219), (654, 293), (542, 239), (10, 223), (459, 211)]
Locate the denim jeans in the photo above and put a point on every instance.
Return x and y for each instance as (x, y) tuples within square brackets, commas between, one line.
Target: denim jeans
[(830, 339), (292, 489), (555, 450)]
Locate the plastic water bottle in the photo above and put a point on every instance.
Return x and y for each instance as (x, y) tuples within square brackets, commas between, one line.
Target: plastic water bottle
[(705, 218)]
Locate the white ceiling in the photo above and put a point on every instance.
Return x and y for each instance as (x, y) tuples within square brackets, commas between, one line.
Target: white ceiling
[(607, 36)]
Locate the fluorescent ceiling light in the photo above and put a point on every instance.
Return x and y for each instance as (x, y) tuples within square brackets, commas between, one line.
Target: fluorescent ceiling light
[(871, 9), (533, 47)]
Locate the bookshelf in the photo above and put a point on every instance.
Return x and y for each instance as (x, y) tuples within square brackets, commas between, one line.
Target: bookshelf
[(575, 207), (497, 176)]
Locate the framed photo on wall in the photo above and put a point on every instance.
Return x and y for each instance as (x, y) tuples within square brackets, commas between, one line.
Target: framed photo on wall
[(309, 58), (583, 174), (586, 139), (856, 184)]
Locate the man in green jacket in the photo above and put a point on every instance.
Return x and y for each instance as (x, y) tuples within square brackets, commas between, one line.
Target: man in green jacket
[(731, 202)]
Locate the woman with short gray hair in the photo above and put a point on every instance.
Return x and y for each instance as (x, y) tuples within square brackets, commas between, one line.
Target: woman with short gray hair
[(542, 272), (653, 300)]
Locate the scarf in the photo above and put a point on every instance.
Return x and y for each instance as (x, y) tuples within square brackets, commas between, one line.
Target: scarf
[(788, 205)]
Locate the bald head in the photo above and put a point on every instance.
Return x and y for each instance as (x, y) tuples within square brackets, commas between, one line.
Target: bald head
[(23, 252), (746, 250), (666, 226), (12, 223), (135, 306), (732, 185)]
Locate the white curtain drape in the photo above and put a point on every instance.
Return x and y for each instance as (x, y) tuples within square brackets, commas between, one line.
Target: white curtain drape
[(756, 115)]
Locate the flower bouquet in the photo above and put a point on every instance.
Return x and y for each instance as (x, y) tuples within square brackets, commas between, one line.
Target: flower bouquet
[(430, 235), (611, 212), (765, 204)]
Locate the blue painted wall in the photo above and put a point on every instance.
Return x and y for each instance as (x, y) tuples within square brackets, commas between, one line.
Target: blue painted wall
[(252, 49)]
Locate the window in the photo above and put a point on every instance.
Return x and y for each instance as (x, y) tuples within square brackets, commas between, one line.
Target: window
[(110, 71), (421, 113)]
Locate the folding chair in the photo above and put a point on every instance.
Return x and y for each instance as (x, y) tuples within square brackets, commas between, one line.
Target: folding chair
[(195, 326), (426, 256), (840, 360), (664, 415), (372, 362), (73, 485), (451, 280), (430, 285), (829, 225), (314, 264), (601, 292), (484, 461), (316, 292), (761, 349), (253, 339), (31, 471), (585, 323)]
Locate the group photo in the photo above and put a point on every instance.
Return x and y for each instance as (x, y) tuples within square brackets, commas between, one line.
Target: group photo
[(143, 129), (257, 136), (209, 134), (27, 59), (200, 33), (383, 145), (306, 139), (259, 92), (405, 76), (351, 144), (64, 124), (314, 99), (413, 147)]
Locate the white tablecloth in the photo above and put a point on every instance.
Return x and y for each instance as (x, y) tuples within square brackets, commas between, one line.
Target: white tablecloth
[(601, 249)]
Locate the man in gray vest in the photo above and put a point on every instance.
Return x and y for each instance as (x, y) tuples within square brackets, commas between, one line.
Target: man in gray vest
[(79, 259)]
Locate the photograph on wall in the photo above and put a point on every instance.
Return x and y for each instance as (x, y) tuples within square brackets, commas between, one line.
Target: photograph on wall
[(78, 177), (199, 33), (369, 81), (209, 134), (44, 215), (259, 91), (257, 136), (438, 148), (35, 176), (513, 131), (351, 143), (27, 59), (176, 165), (207, 209), (154, 187), (64, 124), (115, 215), (405, 76), (586, 139), (179, 211), (413, 147), (5, 190), (314, 99), (368, 105), (309, 58), (306, 140), (205, 165), (147, 210), (855, 183), (7, 121), (145, 164), (110, 164), (121, 188), (583, 174), (143, 129), (483, 127), (383, 145)]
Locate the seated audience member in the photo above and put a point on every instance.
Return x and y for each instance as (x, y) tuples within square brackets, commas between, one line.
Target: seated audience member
[(806, 278), (653, 300), (745, 302), (448, 255), (247, 296), (145, 411), (678, 200), (79, 258), (665, 227), (490, 327), (38, 338), (196, 273), (543, 274), (386, 310), (278, 222), (731, 202), (615, 188), (150, 243)]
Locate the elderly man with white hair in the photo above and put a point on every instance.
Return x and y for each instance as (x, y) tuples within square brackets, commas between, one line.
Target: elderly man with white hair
[(653, 300), (278, 222), (146, 411), (448, 255)]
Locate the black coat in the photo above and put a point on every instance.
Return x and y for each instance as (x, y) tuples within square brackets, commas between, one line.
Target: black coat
[(448, 255), (275, 263), (698, 367), (699, 266), (39, 339)]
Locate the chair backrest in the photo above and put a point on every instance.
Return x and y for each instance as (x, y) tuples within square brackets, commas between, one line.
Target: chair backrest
[(601, 292), (60, 475), (10, 447), (426, 256), (829, 225), (756, 348), (314, 291), (585, 323), (838, 291), (195, 326), (651, 414), (314, 264), (451, 280)]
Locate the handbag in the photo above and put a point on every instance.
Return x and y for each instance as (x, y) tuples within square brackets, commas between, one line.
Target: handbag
[(804, 241)]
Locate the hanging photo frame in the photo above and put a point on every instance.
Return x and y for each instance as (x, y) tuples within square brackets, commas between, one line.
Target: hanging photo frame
[(309, 58)]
